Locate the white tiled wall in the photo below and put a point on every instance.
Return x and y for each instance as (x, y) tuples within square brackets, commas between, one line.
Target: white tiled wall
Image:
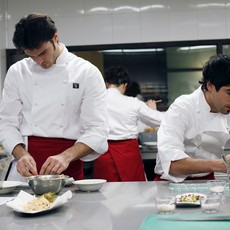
[(88, 22), (2, 42)]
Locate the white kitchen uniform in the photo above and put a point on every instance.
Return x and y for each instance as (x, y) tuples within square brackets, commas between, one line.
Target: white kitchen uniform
[(124, 112), (65, 101), (122, 161), (190, 130)]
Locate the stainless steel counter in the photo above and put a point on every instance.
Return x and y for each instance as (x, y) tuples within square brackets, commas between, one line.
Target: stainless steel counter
[(117, 206)]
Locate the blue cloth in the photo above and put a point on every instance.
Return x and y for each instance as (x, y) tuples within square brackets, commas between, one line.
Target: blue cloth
[(151, 222)]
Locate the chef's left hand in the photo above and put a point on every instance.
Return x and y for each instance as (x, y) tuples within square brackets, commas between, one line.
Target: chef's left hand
[(151, 104), (54, 165)]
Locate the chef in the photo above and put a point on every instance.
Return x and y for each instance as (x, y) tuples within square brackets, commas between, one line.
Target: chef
[(52, 112), (122, 161), (196, 127)]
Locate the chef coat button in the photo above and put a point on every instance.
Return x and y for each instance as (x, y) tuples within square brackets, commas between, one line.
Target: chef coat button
[(61, 126), (35, 83), (62, 104), (35, 125)]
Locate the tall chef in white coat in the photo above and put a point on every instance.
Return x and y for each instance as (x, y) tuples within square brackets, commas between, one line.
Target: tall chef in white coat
[(196, 128), (123, 161), (52, 111)]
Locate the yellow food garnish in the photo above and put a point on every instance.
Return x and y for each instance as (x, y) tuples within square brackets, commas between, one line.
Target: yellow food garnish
[(50, 196)]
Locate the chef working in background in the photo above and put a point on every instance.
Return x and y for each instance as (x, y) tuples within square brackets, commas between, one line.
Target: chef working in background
[(196, 128), (52, 112), (122, 161)]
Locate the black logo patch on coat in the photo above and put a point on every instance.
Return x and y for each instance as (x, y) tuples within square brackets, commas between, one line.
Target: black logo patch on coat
[(75, 85)]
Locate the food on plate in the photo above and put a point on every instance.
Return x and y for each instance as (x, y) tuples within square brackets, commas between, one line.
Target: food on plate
[(50, 196), (190, 198), (41, 203)]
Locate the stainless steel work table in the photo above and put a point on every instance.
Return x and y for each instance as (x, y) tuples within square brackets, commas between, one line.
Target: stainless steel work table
[(117, 206)]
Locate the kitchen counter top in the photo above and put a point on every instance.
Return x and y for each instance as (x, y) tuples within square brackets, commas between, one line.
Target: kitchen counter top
[(117, 206)]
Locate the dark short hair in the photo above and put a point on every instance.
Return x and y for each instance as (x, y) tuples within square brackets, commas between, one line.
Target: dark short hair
[(216, 71), (116, 75), (32, 30)]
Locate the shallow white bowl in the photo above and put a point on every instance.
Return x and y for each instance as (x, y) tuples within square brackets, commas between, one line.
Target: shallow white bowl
[(9, 186), (89, 185)]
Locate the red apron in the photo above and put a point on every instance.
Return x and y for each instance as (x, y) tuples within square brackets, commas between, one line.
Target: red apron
[(40, 148), (122, 162), (208, 177)]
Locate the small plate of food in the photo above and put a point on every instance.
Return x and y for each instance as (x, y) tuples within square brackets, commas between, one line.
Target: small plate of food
[(190, 199), (30, 204)]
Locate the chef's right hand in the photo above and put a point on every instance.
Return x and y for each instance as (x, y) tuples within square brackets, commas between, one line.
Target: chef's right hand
[(26, 166)]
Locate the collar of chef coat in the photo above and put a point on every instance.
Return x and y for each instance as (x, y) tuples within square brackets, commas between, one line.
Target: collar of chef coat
[(114, 91), (218, 127), (63, 57), (201, 103)]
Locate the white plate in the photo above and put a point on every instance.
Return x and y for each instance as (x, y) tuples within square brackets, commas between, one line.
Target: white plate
[(89, 185), (23, 197), (9, 186), (187, 199)]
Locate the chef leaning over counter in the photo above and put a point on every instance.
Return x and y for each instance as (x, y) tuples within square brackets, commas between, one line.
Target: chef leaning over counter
[(196, 128), (52, 112)]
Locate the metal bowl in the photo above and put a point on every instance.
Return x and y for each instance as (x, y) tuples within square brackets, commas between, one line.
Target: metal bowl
[(47, 183)]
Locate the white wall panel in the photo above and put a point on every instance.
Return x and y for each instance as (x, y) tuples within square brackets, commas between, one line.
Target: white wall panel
[(227, 18), (126, 28), (211, 4), (125, 6), (2, 43), (182, 5), (98, 29), (154, 5), (212, 24), (71, 30), (97, 7), (17, 9), (183, 25), (155, 26), (85, 22), (69, 8)]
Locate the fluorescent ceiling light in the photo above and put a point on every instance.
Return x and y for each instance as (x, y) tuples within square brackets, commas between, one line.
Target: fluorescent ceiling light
[(133, 50), (196, 47)]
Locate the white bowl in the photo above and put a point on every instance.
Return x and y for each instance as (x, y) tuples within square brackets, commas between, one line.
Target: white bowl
[(9, 186), (89, 185)]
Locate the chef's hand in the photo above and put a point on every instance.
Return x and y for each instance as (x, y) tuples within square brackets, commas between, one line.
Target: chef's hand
[(151, 104), (26, 166), (58, 163), (54, 165)]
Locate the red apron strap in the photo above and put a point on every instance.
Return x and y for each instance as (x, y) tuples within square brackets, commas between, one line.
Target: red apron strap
[(41, 148)]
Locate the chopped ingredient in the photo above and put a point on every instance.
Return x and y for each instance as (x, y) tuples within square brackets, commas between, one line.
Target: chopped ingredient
[(190, 198)]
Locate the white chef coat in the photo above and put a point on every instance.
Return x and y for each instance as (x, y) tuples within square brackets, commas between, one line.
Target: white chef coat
[(65, 101), (124, 113), (190, 130)]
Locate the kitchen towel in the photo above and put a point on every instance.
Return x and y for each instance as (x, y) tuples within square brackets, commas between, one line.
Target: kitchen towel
[(153, 222)]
